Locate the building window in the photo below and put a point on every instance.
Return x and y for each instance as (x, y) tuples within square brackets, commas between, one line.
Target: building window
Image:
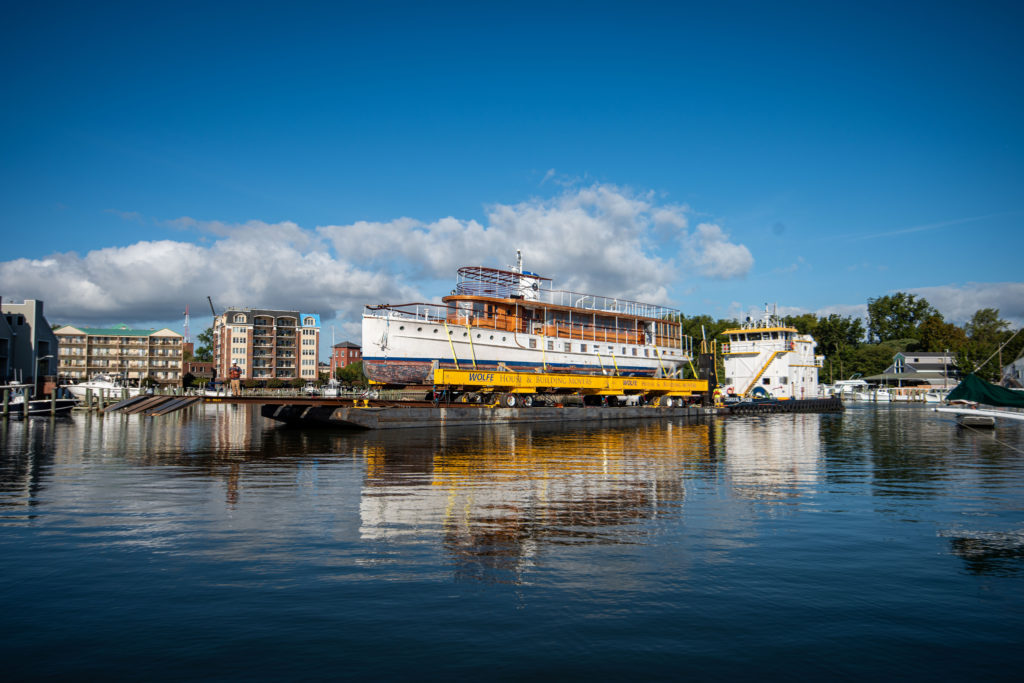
[(240, 318)]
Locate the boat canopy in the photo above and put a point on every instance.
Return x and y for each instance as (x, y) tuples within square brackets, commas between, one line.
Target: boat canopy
[(974, 388)]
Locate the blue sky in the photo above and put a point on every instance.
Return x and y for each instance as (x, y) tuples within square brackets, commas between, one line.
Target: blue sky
[(711, 157)]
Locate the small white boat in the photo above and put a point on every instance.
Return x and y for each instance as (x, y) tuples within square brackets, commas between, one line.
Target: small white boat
[(111, 387), (935, 396), (969, 420), (332, 389), (882, 396)]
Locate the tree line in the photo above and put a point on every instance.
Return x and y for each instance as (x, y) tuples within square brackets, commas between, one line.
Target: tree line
[(896, 323)]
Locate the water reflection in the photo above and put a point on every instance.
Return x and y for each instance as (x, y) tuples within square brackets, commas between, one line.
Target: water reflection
[(492, 496), (492, 499), (772, 457)]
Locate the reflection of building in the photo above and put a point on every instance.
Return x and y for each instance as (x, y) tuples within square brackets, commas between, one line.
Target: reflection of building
[(28, 348), (133, 354), (267, 344)]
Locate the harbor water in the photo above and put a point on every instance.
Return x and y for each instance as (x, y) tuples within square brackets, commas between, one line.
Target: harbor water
[(882, 542)]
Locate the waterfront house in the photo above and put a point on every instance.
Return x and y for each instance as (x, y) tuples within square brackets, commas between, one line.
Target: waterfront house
[(28, 347), (920, 368)]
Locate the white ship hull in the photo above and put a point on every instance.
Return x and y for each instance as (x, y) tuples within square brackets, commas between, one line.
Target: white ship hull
[(404, 350)]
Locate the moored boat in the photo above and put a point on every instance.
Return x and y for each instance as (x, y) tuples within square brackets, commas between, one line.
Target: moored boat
[(40, 407), (514, 320), (766, 356), (109, 385)]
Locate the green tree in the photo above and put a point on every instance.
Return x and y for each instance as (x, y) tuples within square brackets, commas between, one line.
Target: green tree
[(837, 336), (805, 323), (897, 316), (935, 334), (351, 374), (204, 352), (985, 333)]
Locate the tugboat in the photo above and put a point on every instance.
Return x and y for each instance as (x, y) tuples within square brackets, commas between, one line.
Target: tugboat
[(767, 358), (513, 320)]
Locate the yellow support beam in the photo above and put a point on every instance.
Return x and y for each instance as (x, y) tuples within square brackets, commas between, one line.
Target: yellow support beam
[(530, 382)]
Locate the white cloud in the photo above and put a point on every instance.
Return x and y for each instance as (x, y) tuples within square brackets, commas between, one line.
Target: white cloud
[(958, 302), (715, 256), (599, 238)]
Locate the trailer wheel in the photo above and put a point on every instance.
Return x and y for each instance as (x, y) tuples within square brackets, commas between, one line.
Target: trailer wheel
[(510, 400), (527, 400), (613, 402)]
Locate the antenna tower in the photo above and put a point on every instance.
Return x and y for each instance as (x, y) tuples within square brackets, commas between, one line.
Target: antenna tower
[(187, 337)]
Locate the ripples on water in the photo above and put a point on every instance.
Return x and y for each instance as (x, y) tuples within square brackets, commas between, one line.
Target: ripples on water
[(885, 541)]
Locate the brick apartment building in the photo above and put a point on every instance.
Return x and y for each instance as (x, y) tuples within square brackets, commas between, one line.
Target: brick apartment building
[(344, 353), (266, 343)]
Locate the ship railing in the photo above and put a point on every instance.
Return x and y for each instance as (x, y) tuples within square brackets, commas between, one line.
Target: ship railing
[(453, 316), (563, 297)]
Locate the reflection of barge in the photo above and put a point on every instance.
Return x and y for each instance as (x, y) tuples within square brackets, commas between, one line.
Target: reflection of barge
[(511, 319)]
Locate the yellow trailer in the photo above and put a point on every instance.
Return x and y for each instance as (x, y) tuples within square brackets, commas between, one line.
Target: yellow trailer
[(519, 388)]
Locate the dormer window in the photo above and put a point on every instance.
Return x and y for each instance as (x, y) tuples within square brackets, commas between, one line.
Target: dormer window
[(240, 318)]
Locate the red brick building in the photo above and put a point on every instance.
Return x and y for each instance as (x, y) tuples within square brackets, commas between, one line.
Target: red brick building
[(344, 353)]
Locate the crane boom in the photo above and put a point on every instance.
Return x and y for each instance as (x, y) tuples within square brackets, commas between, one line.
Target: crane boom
[(211, 306)]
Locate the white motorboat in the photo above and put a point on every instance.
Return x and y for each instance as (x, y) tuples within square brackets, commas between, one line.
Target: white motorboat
[(109, 385)]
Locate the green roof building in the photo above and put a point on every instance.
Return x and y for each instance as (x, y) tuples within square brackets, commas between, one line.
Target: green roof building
[(122, 351)]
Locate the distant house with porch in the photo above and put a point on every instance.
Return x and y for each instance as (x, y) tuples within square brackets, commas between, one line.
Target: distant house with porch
[(1013, 375), (920, 368)]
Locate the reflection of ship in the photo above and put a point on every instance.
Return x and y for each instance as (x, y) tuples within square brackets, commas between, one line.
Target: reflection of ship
[(768, 357), (510, 318), (776, 458), (498, 497)]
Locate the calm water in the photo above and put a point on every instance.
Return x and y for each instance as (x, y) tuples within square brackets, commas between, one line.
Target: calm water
[(883, 542)]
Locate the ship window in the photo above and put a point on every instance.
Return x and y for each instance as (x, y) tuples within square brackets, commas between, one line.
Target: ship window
[(766, 380), (401, 327), (623, 350), (504, 338), (647, 352), (551, 346), (634, 351), (435, 330), (583, 348), (533, 343), (568, 347), (477, 335), (784, 380), (419, 329), (492, 337)]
